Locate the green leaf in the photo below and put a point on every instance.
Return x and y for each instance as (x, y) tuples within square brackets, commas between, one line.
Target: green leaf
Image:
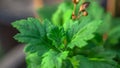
[(67, 64), (84, 34), (33, 60), (40, 49), (56, 35), (72, 27), (75, 61), (53, 59), (63, 14), (84, 62), (31, 31)]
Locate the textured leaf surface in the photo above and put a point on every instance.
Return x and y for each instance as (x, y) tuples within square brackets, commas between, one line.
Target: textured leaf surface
[(31, 31), (40, 49), (53, 59), (79, 39), (56, 34)]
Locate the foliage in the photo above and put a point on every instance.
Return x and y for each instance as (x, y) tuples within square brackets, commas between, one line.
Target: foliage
[(65, 43)]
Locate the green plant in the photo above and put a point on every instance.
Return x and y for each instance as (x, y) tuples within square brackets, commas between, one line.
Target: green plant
[(66, 43)]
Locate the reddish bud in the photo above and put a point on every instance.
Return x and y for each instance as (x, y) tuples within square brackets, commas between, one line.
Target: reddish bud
[(84, 6), (75, 1), (85, 13), (73, 16), (81, 9)]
